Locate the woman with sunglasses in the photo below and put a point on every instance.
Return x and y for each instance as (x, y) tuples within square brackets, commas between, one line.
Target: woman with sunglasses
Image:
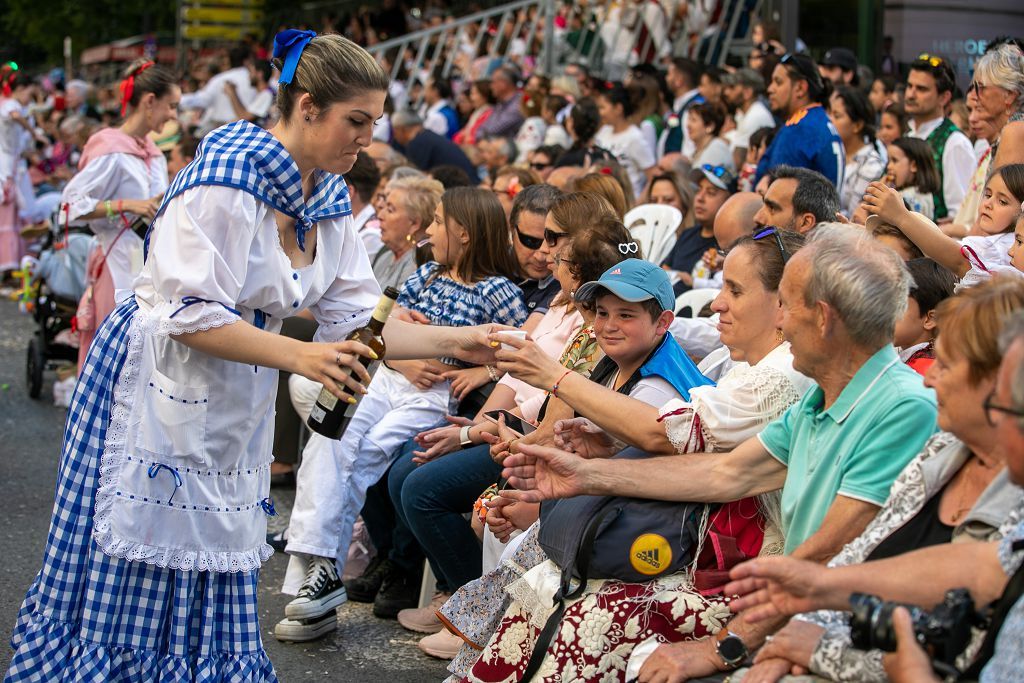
[(956, 489), (759, 388)]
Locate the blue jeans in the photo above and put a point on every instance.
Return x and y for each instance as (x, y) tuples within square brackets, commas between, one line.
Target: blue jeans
[(430, 500)]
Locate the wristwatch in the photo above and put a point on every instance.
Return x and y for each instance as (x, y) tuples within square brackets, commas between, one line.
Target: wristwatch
[(464, 439), (732, 650)]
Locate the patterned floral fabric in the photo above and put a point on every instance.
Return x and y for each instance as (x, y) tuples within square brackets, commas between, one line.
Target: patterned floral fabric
[(999, 509)]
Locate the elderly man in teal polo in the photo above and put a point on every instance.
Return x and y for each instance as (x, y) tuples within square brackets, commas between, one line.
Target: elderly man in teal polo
[(834, 454)]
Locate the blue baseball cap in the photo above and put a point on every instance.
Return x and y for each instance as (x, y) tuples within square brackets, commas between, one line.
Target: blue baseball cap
[(632, 280)]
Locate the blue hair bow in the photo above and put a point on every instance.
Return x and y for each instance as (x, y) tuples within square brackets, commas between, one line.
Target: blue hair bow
[(288, 46)]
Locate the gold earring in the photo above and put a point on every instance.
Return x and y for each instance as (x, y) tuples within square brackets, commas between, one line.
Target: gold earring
[(779, 336)]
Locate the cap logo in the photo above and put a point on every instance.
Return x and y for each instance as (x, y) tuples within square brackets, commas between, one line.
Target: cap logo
[(617, 271)]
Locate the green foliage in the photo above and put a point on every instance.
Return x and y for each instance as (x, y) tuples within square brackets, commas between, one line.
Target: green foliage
[(36, 28)]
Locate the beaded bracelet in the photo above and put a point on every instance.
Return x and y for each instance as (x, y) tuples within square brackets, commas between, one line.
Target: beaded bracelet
[(554, 387), (492, 373)]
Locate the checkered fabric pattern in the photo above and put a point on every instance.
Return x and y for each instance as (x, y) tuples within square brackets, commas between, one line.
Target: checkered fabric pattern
[(246, 157), (92, 617)]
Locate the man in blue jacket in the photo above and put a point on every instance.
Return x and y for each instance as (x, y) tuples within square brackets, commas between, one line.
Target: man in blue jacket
[(807, 139)]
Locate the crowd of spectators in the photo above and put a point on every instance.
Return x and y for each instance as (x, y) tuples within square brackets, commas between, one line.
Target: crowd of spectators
[(809, 273)]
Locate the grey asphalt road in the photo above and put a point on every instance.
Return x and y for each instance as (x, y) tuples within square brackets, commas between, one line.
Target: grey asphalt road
[(363, 648)]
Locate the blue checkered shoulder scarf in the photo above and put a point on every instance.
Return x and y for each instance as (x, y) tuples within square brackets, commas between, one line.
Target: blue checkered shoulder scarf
[(248, 158)]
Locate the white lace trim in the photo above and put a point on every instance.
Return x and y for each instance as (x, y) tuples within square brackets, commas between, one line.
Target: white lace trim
[(210, 316), (113, 459)]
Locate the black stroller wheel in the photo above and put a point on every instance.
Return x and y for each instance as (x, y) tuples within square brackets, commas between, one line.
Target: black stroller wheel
[(34, 365)]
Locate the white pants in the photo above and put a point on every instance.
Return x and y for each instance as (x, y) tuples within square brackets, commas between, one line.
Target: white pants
[(334, 475)]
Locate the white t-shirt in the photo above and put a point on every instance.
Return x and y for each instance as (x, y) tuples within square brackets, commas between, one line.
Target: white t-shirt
[(261, 103), (631, 150), (215, 103), (716, 153), (749, 122)]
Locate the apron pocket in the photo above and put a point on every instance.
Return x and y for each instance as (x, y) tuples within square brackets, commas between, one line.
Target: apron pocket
[(173, 419)]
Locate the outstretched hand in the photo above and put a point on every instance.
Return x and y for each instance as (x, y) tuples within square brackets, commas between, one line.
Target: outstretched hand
[(885, 202), (543, 473), (775, 587)]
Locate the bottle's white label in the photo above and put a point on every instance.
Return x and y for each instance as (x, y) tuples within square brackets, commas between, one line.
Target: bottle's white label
[(317, 414), (327, 399)]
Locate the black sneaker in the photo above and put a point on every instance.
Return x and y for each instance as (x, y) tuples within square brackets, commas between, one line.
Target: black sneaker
[(401, 590), (365, 588), (321, 591), (279, 540)]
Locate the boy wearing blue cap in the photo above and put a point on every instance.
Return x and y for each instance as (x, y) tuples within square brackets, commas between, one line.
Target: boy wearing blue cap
[(633, 301)]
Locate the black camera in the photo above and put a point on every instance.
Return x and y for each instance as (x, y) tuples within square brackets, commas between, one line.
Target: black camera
[(944, 632)]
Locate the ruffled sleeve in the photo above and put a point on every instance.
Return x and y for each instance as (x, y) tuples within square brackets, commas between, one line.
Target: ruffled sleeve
[(350, 299), (720, 418), (199, 256), (93, 184)]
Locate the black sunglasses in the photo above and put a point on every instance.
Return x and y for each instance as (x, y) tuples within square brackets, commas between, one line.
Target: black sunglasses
[(991, 406), (528, 241), (538, 166), (552, 237), (772, 230)]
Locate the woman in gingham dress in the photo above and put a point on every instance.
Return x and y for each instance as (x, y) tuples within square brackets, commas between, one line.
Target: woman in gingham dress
[(151, 565)]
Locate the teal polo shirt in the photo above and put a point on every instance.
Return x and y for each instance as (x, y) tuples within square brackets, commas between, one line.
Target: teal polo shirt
[(856, 448)]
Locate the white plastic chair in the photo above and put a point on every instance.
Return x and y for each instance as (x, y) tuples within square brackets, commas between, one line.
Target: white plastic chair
[(654, 227), (696, 299)]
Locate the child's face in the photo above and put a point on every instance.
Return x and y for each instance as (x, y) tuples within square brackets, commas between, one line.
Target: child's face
[(910, 329), (888, 129), (900, 167), (447, 242), (625, 330), (998, 207), (1017, 248)]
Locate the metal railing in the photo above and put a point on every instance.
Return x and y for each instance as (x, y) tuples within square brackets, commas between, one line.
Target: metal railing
[(609, 37)]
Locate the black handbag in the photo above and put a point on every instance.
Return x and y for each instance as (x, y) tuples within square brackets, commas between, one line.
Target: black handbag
[(613, 537)]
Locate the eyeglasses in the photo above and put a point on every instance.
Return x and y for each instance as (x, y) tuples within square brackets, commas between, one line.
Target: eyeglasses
[(528, 241), (977, 88), (772, 230), (552, 237), (538, 166), (992, 407), (559, 260), (931, 60)]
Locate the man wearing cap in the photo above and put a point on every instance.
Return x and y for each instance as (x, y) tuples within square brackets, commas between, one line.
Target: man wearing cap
[(743, 90), (808, 139), (714, 185), (840, 67), (930, 86)]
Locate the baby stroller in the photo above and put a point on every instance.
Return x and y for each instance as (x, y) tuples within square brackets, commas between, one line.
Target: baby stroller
[(59, 278)]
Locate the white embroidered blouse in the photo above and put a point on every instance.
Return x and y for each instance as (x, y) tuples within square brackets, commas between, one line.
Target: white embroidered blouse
[(185, 468), (115, 176)]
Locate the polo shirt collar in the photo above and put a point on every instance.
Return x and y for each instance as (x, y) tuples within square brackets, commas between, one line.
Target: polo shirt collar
[(860, 385)]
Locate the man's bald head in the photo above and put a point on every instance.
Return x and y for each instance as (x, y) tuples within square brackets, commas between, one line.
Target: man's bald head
[(736, 217)]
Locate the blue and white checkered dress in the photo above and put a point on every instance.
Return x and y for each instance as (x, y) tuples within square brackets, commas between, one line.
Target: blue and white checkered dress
[(92, 617)]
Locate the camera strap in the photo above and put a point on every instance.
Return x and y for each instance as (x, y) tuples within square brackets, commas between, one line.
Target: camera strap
[(1011, 594)]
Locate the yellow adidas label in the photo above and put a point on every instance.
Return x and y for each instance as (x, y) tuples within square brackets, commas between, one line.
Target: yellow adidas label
[(650, 554)]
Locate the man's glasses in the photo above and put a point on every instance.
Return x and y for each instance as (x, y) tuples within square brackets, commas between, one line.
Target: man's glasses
[(529, 241), (932, 60), (538, 166), (772, 230), (992, 407), (552, 237)]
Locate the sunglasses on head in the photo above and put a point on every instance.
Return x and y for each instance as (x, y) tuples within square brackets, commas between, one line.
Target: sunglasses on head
[(529, 241), (772, 230), (931, 60), (552, 237), (717, 171)]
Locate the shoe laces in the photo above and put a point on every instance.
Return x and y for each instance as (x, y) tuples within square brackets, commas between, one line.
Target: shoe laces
[(318, 573)]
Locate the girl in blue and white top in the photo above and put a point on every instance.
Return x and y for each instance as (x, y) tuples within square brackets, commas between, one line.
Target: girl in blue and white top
[(467, 283), (159, 526)]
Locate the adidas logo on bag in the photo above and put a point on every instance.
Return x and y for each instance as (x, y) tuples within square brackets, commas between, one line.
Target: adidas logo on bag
[(650, 557), (650, 554)]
